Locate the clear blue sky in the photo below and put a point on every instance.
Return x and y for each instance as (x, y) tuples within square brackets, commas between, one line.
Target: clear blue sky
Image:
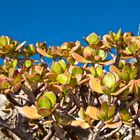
[(57, 21)]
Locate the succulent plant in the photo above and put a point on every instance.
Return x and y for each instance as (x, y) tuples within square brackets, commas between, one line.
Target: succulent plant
[(93, 89)]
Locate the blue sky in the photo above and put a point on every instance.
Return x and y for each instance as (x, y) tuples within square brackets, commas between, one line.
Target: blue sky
[(58, 21)]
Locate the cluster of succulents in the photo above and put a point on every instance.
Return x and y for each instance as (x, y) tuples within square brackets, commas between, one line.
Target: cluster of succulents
[(93, 89)]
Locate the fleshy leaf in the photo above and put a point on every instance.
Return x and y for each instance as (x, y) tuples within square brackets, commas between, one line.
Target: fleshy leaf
[(44, 102), (76, 71), (104, 107), (93, 39), (88, 53), (81, 113), (126, 69), (15, 63), (125, 76), (28, 63), (133, 47), (31, 49), (113, 125), (44, 112), (80, 123), (133, 74), (56, 68), (111, 111), (3, 41), (102, 54), (29, 112), (106, 90), (51, 96), (125, 115), (95, 85), (113, 68), (42, 52), (120, 90), (62, 78), (99, 70), (93, 71), (63, 64), (79, 58), (92, 112), (109, 80), (4, 84), (102, 115)]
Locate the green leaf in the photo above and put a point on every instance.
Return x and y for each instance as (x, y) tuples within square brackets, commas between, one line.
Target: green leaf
[(93, 71), (34, 77), (51, 96), (104, 107), (109, 80), (73, 82), (63, 64), (62, 78), (133, 74), (99, 70), (4, 84), (112, 37), (125, 115), (126, 69), (3, 41), (44, 102), (111, 111), (31, 49), (102, 54), (102, 115), (70, 60), (56, 68), (15, 63), (11, 72), (133, 47), (77, 70), (125, 76), (106, 90), (118, 35), (93, 39), (28, 63), (116, 85)]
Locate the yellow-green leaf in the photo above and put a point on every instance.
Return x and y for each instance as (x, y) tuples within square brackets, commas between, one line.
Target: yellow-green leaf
[(56, 68), (109, 80), (44, 102), (62, 78), (93, 39), (51, 96)]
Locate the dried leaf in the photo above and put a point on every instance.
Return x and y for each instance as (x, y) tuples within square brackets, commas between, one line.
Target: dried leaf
[(29, 112)]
